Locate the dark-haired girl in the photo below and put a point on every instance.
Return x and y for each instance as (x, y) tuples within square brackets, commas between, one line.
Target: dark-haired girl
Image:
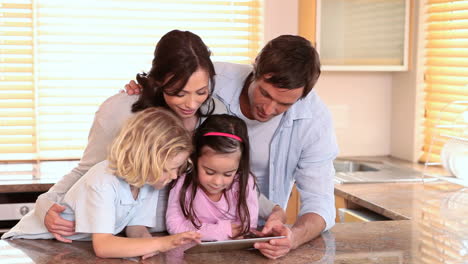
[(218, 197)]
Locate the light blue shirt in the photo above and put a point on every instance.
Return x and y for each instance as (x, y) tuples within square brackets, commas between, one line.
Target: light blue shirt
[(99, 202), (302, 149)]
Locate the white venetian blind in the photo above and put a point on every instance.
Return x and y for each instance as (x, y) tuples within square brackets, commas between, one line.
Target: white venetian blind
[(446, 69), (362, 32), (78, 53), (17, 93)]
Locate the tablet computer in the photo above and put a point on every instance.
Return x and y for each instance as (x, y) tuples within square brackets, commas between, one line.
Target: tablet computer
[(226, 245)]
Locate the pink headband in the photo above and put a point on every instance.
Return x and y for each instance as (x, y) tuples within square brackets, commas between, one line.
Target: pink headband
[(223, 135)]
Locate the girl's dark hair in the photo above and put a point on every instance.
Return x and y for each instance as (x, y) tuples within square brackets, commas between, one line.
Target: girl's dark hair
[(177, 56), (221, 144)]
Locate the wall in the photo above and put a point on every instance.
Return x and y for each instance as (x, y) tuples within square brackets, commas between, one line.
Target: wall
[(407, 97), (360, 102)]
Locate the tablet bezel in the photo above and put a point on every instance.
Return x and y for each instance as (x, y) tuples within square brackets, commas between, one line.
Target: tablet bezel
[(227, 245)]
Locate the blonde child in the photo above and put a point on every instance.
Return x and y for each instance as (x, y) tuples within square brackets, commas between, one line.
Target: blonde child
[(218, 197), (122, 192)]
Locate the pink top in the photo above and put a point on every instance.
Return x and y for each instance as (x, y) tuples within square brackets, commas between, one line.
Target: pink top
[(215, 218)]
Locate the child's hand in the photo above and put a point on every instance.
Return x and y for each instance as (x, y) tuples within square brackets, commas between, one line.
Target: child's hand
[(173, 241), (236, 229)]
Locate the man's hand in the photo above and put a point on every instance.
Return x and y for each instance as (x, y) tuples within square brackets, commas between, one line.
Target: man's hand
[(132, 88), (58, 226), (276, 218), (307, 227), (276, 248)]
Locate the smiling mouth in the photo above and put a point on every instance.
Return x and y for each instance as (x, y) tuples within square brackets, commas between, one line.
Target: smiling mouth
[(187, 111), (216, 189)]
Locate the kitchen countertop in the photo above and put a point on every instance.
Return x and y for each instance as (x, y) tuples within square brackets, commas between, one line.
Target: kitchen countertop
[(393, 200), (377, 242), (436, 233)]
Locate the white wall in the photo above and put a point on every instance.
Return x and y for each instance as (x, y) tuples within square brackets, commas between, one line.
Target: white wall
[(280, 18), (360, 102)]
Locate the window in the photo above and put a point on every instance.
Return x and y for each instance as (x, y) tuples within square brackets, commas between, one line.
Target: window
[(446, 68), (59, 60)]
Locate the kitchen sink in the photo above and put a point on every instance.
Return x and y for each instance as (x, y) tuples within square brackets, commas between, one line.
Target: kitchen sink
[(351, 166), (352, 171)]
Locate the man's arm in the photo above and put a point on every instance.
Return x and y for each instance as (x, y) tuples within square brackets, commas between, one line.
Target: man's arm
[(314, 179), (306, 228)]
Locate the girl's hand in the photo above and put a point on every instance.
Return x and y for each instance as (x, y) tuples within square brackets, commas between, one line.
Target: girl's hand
[(236, 229), (173, 241)]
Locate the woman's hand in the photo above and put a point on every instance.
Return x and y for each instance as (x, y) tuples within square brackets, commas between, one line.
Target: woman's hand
[(58, 226), (132, 88)]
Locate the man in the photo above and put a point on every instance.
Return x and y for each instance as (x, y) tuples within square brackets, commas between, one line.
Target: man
[(291, 134)]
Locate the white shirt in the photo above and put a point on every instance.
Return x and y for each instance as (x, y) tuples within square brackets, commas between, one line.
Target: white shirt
[(260, 135)]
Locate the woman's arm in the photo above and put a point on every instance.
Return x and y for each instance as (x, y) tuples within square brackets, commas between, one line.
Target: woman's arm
[(99, 139), (110, 246)]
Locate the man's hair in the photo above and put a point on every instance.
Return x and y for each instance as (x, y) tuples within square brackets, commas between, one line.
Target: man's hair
[(145, 143), (288, 62)]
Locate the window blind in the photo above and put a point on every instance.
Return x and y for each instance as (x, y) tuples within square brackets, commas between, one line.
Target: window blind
[(62, 60), (446, 70), (17, 93)]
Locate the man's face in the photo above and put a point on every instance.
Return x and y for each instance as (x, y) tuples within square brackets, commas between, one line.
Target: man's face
[(267, 101)]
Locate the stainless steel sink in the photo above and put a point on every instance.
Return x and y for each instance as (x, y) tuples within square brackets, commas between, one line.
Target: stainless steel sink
[(351, 166), (351, 171)]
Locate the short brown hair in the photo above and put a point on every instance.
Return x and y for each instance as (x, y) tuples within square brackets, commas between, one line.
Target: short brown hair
[(145, 143), (291, 61)]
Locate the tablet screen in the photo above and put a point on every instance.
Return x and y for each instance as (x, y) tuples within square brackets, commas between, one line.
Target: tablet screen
[(226, 245)]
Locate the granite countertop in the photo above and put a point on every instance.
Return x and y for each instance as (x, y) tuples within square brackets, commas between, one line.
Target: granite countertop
[(393, 200), (436, 233), (377, 242)]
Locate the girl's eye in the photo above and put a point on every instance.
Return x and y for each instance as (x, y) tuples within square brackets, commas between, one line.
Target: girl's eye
[(210, 172), (228, 174), (201, 93), (180, 95)]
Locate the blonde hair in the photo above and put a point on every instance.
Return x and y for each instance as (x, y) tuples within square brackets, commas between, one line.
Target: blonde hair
[(145, 143)]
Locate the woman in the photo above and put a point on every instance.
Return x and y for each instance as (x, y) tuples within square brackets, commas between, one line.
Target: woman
[(181, 79)]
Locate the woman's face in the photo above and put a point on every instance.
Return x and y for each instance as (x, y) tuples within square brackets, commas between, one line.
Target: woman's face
[(186, 103)]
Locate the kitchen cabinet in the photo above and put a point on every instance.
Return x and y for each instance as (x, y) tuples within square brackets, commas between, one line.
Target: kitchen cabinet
[(294, 206), (362, 35)]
